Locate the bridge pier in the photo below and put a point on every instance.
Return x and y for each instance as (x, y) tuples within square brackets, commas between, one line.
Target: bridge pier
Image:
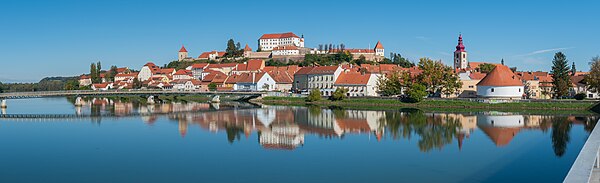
[(3, 111), (216, 99), (78, 102), (3, 105), (151, 99)]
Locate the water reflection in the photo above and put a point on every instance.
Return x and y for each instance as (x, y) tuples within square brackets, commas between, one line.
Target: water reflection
[(283, 127)]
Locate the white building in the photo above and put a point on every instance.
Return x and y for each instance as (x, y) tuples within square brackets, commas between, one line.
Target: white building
[(269, 41), (358, 84), (147, 70), (500, 83), (255, 82), (286, 50), (323, 78)]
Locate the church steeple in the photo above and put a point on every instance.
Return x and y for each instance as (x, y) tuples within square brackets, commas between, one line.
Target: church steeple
[(460, 55)]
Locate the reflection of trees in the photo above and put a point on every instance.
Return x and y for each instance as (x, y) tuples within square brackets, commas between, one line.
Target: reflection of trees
[(435, 132), (589, 123), (233, 133), (560, 135)]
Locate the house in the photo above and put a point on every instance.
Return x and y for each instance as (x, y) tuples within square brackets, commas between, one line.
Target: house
[(371, 54), (126, 77), (147, 71), (283, 80), (212, 55), (301, 79), (85, 80), (197, 70), (102, 86), (323, 78), (501, 82), (182, 74), (269, 41), (285, 50), (255, 82), (469, 82), (254, 65), (225, 68), (358, 84), (580, 86), (186, 85)]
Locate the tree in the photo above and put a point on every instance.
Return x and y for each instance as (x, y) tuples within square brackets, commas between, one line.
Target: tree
[(401, 61), (393, 84), (110, 76), (561, 80), (486, 68), (231, 48), (72, 85), (1, 88), (212, 87), (416, 93), (573, 70), (339, 94), (561, 128), (99, 67), (593, 79), (451, 84), (314, 95), (94, 73), (436, 77), (137, 84)]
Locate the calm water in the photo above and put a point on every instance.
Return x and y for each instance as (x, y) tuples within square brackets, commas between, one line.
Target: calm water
[(197, 142)]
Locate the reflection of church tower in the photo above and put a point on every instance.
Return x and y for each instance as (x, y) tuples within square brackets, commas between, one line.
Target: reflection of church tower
[(460, 55), (182, 128)]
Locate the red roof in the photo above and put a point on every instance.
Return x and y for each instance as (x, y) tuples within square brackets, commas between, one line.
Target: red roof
[(352, 78), (182, 49), (181, 72), (127, 75), (378, 45), (250, 77), (210, 66), (205, 55), (304, 70), (247, 48), (501, 75), (281, 77), (324, 70), (500, 136), (279, 35), (150, 64), (199, 65), (477, 75)]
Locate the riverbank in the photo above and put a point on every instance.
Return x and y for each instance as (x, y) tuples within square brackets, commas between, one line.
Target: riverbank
[(436, 105)]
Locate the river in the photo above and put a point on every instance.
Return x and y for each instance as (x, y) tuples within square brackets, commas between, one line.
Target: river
[(108, 140)]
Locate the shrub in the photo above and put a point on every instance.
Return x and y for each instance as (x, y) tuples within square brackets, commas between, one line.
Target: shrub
[(212, 87), (580, 96), (315, 95), (339, 94), (416, 93)]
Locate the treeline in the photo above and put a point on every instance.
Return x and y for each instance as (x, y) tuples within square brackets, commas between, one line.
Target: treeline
[(46, 84)]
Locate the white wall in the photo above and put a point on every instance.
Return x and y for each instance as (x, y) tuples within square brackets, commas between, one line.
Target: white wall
[(500, 91)]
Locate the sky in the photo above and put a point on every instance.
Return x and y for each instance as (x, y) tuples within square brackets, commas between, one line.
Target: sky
[(62, 38)]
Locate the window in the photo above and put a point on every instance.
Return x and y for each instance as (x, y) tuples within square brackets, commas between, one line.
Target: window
[(519, 89), (492, 90), (471, 86)]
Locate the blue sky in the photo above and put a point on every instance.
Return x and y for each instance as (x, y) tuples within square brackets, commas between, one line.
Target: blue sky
[(62, 38)]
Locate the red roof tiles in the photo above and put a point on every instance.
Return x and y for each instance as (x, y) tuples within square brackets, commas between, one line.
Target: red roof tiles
[(501, 75), (279, 35)]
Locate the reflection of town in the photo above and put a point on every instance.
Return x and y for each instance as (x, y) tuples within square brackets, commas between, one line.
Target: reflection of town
[(284, 127)]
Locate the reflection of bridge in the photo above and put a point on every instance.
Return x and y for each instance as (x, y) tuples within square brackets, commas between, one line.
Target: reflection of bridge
[(17, 95)]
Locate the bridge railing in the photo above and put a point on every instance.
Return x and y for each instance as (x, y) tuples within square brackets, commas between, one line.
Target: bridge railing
[(587, 160)]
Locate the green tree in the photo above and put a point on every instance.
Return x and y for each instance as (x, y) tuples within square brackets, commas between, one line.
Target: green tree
[(560, 135), (392, 85), (486, 68), (72, 85), (339, 94), (561, 79), (436, 77), (451, 84), (593, 79), (231, 48), (416, 93), (212, 87), (401, 61), (1, 87), (314, 95), (137, 84), (94, 73), (112, 73), (573, 70)]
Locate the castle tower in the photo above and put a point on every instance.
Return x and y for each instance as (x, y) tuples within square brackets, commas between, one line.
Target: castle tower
[(247, 51), (379, 51), (301, 41), (460, 55), (183, 53)]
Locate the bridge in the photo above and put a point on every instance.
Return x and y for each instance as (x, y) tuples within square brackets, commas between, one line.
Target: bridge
[(244, 95)]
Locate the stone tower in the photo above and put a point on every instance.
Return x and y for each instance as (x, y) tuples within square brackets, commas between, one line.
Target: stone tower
[(183, 53), (460, 55), (379, 50)]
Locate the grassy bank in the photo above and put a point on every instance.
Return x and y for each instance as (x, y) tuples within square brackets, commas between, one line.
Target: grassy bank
[(446, 105)]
